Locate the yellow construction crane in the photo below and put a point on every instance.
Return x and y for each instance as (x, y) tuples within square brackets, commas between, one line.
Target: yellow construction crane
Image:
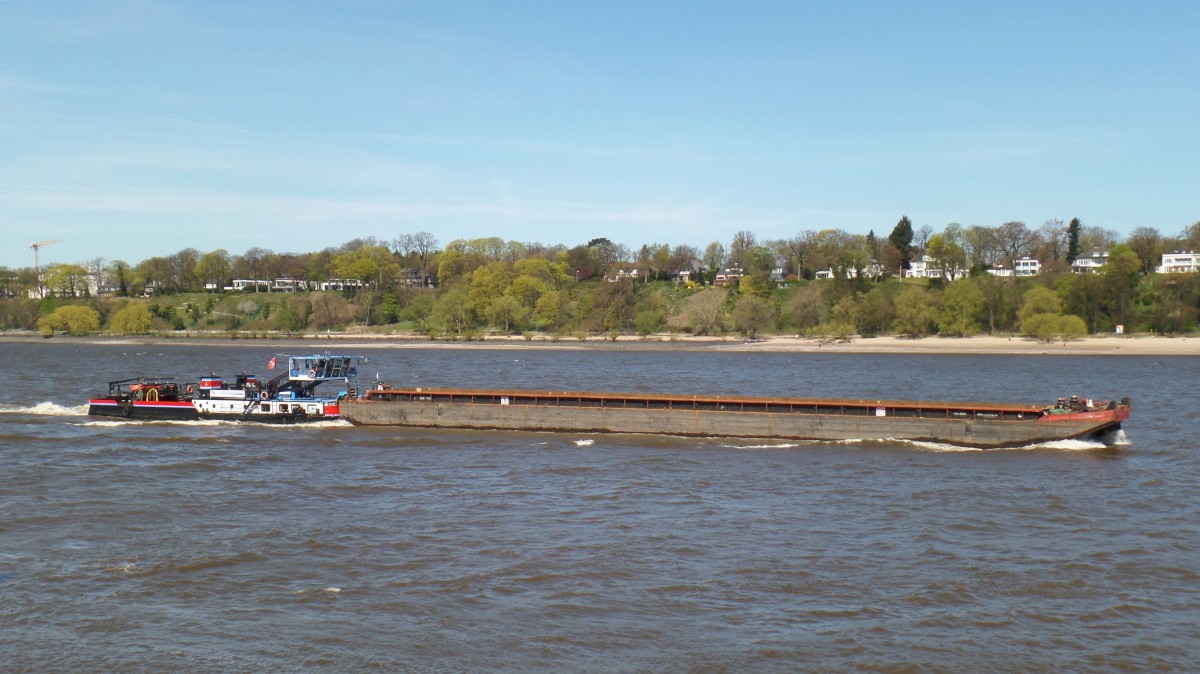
[(37, 268)]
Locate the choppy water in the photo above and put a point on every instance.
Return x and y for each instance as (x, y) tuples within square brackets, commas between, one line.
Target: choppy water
[(228, 547)]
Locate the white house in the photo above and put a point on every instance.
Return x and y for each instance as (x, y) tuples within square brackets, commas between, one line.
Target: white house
[(623, 273), (997, 269), (1027, 266), (1180, 262), (248, 285), (1091, 263), (340, 284), (873, 271), (288, 285), (928, 267)]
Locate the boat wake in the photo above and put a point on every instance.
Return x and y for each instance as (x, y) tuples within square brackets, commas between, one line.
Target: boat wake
[(46, 409), (115, 423), (781, 445), (1060, 445)]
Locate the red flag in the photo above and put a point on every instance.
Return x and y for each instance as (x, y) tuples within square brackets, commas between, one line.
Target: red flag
[(271, 363)]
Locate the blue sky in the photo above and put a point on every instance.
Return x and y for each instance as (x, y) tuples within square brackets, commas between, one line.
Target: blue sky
[(134, 128)]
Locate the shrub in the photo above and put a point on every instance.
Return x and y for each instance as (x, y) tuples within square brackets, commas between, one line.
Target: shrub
[(132, 319), (73, 319)]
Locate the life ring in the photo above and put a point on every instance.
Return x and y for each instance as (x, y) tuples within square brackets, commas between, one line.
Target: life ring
[(190, 389), (312, 373)]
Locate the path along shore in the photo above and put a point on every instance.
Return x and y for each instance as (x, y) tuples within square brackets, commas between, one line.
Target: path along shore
[(1131, 345)]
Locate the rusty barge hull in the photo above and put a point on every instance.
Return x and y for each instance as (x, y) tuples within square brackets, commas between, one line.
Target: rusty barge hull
[(982, 425)]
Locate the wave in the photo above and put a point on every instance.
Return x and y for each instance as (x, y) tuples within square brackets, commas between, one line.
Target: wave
[(115, 423), (47, 409), (1067, 445), (107, 423), (782, 445)]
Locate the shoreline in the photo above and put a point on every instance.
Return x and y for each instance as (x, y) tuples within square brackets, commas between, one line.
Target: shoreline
[(982, 344)]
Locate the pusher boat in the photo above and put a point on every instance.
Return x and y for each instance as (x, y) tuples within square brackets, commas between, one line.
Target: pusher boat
[(289, 397)]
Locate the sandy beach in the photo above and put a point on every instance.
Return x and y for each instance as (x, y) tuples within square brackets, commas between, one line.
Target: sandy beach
[(1131, 345)]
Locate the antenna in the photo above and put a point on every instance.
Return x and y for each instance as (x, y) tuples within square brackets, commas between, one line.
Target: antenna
[(37, 267)]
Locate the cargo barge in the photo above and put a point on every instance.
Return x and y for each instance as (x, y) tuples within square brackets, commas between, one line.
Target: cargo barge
[(982, 425), (290, 397)]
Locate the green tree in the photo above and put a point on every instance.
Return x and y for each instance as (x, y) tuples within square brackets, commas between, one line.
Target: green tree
[(291, 316), (704, 312), (505, 311), (74, 319), (488, 283), (807, 306), (1121, 274), (901, 237), (877, 311), (214, 267), (949, 250), (1169, 306), (67, 280), (648, 321), (132, 319), (1039, 300), (1049, 327), (452, 310), (369, 264), (961, 304), (916, 313), (330, 310), (752, 314), (1074, 230), (551, 310), (1083, 296)]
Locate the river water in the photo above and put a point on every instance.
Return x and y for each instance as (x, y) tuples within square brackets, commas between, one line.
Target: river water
[(213, 547)]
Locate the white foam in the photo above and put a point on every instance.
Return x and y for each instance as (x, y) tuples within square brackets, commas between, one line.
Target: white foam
[(1073, 445), (585, 443), (109, 423), (47, 409), (103, 423), (326, 590), (782, 445), (1117, 438)]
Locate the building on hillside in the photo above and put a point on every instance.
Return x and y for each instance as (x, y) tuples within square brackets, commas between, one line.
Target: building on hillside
[(779, 273), (1180, 262), (1090, 264), (728, 276), (997, 269), (249, 285), (874, 271), (288, 285), (411, 277), (624, 272), (1027, 266), (928, 267), (339, 284)]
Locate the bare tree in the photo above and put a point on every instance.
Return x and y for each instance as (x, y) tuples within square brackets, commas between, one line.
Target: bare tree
[(1094, 238), (983, 247), (921, 237), (714, 256), (1015, 240), (1055, 240), (1148, 244), (424, 244), (739, 249)]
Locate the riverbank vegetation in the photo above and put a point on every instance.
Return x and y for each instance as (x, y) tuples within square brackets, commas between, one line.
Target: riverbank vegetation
[(824, 284)]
